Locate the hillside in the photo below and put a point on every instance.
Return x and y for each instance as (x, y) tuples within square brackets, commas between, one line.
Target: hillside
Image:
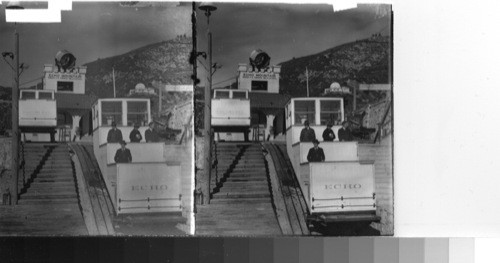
[(366, 61), (165, 62)]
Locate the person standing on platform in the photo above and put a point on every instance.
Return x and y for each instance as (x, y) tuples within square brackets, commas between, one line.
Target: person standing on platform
[(328, 134), (307, 134), (114, 135), (345, 133), (151, 135), (316, 153), (123, 154), (135, 134)]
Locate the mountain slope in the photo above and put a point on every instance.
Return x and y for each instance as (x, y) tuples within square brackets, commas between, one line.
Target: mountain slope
[(366, 61), (165, 62)]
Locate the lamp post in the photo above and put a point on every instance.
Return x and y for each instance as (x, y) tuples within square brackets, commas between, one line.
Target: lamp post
[(208, 8), (15, 113)]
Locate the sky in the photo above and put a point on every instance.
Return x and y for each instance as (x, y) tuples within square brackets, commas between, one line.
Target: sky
[(99, 30), (284, 31), (91, 31)]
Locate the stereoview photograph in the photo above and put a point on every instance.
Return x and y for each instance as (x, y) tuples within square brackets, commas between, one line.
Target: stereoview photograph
[(96, 120), (293, 119)]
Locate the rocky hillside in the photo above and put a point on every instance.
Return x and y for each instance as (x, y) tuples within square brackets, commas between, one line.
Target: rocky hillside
[(366, 61), (165, 62)]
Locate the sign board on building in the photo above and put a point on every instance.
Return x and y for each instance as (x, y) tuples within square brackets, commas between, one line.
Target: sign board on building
[(148, 188), (338, 90), (178, 88), (259, 75), (65, 76)]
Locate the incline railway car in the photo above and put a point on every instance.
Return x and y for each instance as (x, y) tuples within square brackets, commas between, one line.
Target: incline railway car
[(151, 182), (341, 189), (37, 111), (230, 109)]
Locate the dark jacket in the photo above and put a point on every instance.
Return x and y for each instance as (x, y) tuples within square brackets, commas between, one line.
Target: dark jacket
[(135, 136), (328, 135), (307, 135), (114, 136), (123, 156), (316, 155), (151, 136), (345, 135)]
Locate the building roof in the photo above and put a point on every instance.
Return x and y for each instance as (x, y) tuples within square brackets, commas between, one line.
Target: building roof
[(74, 101), (268, 100)]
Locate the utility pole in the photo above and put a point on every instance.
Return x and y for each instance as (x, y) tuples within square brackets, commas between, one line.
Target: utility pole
[(307, 81), (15, 122), (208, 8), (114, 86), (160, 90)]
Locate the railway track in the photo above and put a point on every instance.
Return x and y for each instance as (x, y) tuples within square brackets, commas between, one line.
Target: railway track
[(295, 206), (102, 208)]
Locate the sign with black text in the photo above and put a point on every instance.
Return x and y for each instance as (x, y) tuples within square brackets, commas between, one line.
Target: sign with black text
[(148, 188)]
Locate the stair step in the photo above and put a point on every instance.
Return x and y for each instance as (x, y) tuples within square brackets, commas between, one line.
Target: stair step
[(53, 180), (53, 177), (241, 195), (243, 183), (240, 201), (55, 172), (47, 201), (50, 196), (228, 189), (247, 176), (247, 179), (248, 172)]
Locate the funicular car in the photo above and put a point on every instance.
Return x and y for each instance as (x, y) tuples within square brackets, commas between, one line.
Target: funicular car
[(340, 189)]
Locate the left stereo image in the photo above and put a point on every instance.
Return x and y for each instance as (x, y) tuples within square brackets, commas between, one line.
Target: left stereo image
[(96, 121)]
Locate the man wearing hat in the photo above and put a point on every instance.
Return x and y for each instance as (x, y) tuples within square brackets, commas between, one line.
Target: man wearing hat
[(135, 134), (123, 154), (345, 133), (307, 134), (114, 135), (316, 154), (328, 134), (151, 135)]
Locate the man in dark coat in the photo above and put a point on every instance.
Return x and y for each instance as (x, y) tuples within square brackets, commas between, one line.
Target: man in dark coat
[(151, 135), (316, 154), (345, 133), (123, 154), (135, 134), (307, 134), (114, 135), (328, 134)]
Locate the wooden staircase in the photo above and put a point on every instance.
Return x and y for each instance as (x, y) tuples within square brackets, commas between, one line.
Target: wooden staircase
[(52, 180), (241, 201), (48, 202)]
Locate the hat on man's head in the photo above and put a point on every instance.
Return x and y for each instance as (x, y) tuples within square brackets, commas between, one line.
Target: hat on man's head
[(306, 122), (113, 123), (136, 125), (316, 141), (329, 124), (122, 142)]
